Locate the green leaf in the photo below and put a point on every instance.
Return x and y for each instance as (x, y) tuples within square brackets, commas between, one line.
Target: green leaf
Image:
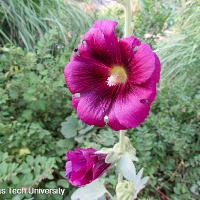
[(86, 130), (106, 138), (51, 184), (70, 127), (63, 183)]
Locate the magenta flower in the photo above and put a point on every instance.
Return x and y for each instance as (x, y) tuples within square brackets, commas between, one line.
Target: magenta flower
[(84, 166), (112, 79)]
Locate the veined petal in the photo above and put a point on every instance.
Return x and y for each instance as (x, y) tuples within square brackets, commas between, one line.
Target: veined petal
[(84, 74), (68, 168), (77, 160), (157, 70), (142, 65), (113, 121), (75, 101), (132, 107), (127, 48), (77, 178), (106, 26), (94, 105), (99, 168), (102, 43)]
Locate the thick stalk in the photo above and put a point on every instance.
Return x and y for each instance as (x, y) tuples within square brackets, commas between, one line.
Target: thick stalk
[(121, 144), (121, 140), (128, 15)]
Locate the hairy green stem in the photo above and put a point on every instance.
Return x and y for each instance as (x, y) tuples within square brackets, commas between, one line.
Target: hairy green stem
[(128, 15), (121, 143), (121, 140)]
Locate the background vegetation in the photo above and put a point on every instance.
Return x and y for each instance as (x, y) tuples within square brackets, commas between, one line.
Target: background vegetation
[(38, 125)]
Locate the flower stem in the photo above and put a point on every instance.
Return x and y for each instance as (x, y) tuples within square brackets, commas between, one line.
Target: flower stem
[(121, 143), (128, 15), (121, 140)]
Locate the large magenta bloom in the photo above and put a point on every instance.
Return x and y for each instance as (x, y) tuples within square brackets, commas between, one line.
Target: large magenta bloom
[(112, 78), (84, 166)]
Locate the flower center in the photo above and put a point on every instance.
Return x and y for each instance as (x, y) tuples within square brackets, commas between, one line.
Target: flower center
[(117, 76)]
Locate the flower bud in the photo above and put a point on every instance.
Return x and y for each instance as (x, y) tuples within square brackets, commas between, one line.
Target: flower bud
[(125, 190), (84, 165)]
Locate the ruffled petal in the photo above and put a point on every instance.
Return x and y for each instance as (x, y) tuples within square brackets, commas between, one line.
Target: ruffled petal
[(87, 178), (101, 43), (106, 26), (127, 48), (77, 159), (100, 166), (99, 169), (77, 178), (94, 105), (142, 65), (158, 68), (75, 101), (113, 121), (85, 75), (68, 168), (131, 109)]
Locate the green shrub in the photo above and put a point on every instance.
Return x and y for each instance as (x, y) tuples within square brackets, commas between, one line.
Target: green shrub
[(33, 103)]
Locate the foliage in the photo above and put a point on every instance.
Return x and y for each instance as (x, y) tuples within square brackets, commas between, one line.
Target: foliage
[(149, 18), (23, 22), (29, 173), (180, 49), (32, 91)]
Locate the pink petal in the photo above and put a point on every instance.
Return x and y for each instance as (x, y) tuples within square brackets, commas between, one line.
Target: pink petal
[(87, 152), (158, 68), (87, 178), (127, 46), (85, 74), (102, 43), (142, 66), (68, 168), (75, 101), (131, 109), (77, 178), (106, 26), (77, 159), (94, 105), (100, 166), (113, 121), (99, 169)]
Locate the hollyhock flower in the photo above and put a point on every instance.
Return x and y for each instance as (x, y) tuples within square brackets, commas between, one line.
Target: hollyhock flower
[(112, 79), (84, 166)]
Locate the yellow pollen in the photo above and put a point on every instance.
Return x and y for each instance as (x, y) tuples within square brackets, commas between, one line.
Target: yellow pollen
[(117, 76)]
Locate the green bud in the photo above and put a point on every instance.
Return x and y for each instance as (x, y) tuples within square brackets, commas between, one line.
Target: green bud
[(125, 190)]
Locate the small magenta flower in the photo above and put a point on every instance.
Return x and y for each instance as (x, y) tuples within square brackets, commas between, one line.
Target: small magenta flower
[(84, 166), (112, 79)]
